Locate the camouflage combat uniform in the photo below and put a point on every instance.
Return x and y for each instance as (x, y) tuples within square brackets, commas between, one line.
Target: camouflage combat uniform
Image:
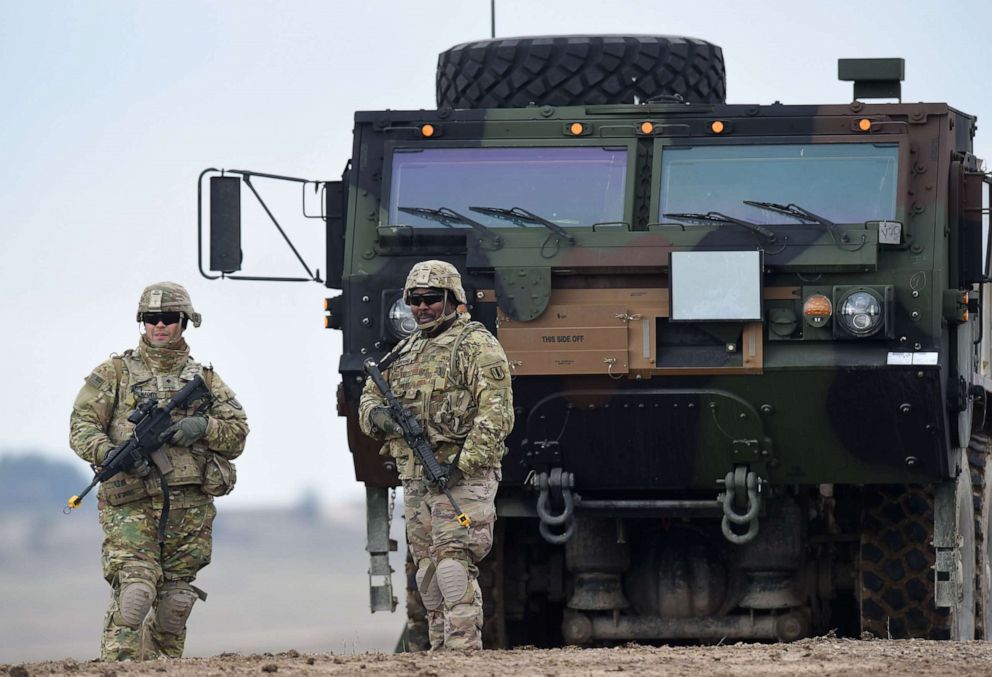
[(158, 578), (458, 385)]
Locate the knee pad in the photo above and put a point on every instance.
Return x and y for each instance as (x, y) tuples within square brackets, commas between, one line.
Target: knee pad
[(427, 585), (452, 579), (136, 583), (175, 603), (133, 602)]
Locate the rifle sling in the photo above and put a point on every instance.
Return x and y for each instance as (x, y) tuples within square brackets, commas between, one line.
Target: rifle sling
[(394, 354)]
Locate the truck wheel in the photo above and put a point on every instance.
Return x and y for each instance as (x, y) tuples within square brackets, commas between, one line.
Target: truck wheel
[(897, 561), (979, 450), (415, 633), (579, 69)]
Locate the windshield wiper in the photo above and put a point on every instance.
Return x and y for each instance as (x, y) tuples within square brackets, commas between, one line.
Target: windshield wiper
[(449, 217), (522, 217), (797, 212), (717, 217)]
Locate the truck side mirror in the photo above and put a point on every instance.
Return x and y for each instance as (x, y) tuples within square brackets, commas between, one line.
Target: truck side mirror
[(225, 224)]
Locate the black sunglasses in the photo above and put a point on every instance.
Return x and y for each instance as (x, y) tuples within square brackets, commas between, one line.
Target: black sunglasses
[(430, 299), (164, 318)]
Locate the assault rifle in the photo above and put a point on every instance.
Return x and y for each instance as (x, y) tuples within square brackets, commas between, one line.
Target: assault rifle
[(414, 435), (150, 421)]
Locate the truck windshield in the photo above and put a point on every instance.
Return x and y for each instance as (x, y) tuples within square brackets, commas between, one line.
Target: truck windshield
[(570, 186), (846, 183)]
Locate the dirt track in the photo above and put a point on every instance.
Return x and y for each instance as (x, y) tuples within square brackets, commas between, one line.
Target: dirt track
[(824, 656)]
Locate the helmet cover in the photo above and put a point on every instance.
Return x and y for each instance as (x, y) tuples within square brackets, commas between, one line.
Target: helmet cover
[(164, 297), (435, 275)]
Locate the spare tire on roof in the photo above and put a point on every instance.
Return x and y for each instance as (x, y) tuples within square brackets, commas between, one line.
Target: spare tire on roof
[(579, 69)]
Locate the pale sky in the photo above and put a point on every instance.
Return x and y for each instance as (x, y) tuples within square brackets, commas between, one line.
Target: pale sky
[(110, 110)]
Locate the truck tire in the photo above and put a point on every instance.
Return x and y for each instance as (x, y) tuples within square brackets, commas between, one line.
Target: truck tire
[(579, 69), (897, 559), (979, 449)]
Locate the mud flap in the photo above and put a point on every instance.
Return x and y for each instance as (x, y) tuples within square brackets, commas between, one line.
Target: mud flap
[(954, 545), (379, 545), (947, 568)]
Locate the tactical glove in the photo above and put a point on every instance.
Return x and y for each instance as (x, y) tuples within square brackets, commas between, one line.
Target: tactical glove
[(141, 469), (383, 420), (185, 432), (101, 454)]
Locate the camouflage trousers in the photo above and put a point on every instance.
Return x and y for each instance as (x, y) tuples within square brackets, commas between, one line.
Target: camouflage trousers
[(131, 552), (434, 536)]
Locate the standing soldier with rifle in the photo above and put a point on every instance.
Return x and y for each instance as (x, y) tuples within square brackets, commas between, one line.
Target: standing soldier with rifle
[(452, 379), (156, 505)]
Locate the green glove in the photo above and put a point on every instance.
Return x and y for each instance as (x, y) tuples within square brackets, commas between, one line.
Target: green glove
[(101, 454), (141, 469), (383, 420), (185, 432)]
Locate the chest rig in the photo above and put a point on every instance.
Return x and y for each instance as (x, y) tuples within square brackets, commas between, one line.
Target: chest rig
[(424, 375), (135, 382)]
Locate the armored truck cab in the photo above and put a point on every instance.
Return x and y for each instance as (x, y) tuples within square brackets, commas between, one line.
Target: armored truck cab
[(748, 343)]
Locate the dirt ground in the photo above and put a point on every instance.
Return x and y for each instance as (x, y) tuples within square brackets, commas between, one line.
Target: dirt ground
[(822, 657)]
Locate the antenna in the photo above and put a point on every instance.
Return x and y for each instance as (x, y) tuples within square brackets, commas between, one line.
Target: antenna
[(492, 18)]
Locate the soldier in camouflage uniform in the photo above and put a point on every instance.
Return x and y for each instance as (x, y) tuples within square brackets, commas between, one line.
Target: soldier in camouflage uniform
[(453, 374), (148, 576)]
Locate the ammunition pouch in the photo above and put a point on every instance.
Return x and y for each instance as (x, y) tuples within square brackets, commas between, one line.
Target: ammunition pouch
[(219, 475), (124, 488)]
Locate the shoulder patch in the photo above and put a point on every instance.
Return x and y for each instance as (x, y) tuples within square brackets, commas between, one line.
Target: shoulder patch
[(497, 372), (94, 380)]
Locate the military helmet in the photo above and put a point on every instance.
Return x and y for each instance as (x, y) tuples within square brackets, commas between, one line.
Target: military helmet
[(435, 274), (163, 297)]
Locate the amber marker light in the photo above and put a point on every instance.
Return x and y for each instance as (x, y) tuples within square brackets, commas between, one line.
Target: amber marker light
[(576, 128), (818, 305), (427, 131), (817, 310), (327, 305), (864, 124), (647, 127), (327, 323), (717, 127)]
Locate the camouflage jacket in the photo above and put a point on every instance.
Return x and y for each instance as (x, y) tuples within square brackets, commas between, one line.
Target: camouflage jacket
[(99, 421), (458, 385)]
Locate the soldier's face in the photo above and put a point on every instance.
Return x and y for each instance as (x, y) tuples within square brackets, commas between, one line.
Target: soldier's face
[(162, 334), (424, 312)]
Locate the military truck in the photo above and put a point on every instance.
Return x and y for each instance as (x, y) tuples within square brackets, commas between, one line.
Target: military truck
[(749, 344)]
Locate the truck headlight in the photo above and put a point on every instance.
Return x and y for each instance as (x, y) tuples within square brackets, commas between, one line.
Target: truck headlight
[(400, 319), (860, 313)]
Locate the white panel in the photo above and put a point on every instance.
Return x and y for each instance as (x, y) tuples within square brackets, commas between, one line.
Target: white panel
[(716, 285)]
